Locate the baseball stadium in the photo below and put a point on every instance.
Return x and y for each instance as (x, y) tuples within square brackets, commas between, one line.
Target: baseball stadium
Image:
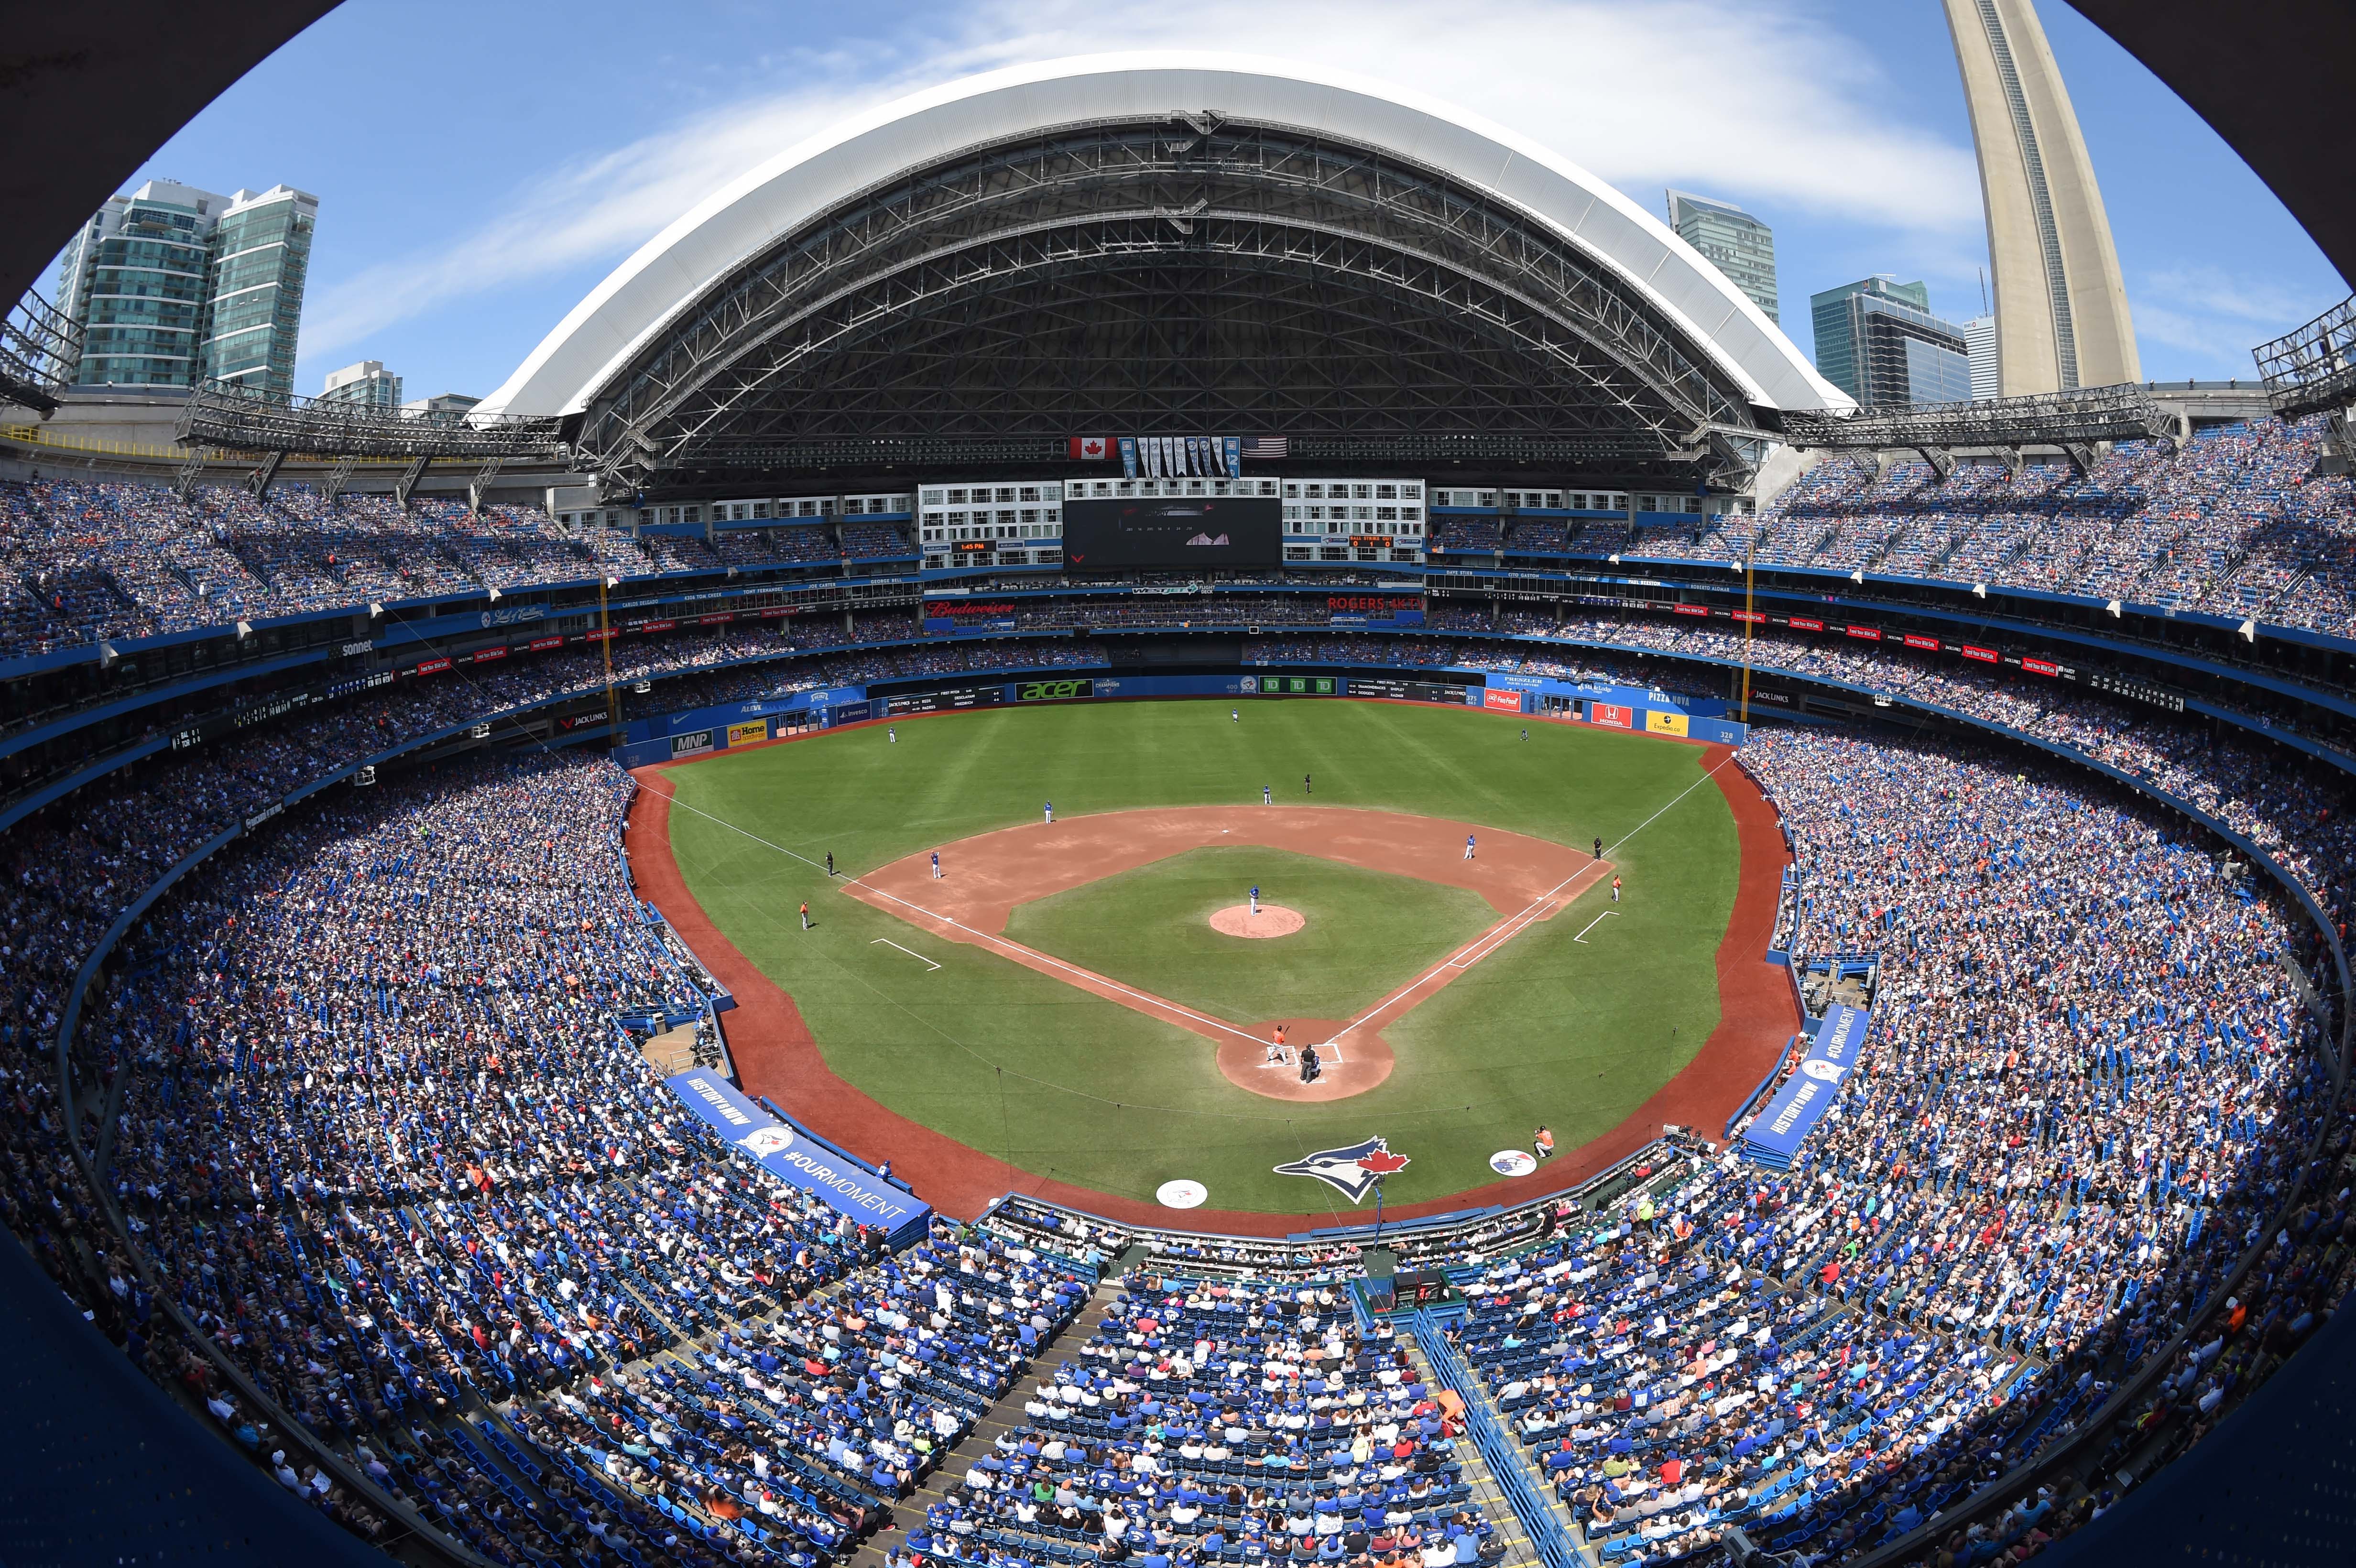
[(1173, 807)]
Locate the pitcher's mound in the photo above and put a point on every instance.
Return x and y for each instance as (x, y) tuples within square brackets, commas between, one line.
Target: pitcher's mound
[(1238, 920)]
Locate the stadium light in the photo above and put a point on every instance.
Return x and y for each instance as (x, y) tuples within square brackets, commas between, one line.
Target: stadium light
[(2313, 369), (2125, 412)]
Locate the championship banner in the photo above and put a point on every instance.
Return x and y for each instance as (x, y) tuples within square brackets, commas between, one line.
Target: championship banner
[(1129, 457), (1774, 1138), (785, 1154), (1232, 446), (1658, 722), (1193, 453)]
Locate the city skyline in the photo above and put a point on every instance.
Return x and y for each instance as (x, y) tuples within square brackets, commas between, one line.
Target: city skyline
[(1842, 127)]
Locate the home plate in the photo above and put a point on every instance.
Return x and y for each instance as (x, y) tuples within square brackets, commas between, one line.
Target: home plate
[(1273, 920), (1181, 1194)]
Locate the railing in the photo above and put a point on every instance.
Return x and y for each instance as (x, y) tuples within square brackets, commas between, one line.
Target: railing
[(1555, 1546)]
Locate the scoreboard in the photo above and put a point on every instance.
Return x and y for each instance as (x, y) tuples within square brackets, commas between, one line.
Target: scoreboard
[(944, 702), (1408, 690)]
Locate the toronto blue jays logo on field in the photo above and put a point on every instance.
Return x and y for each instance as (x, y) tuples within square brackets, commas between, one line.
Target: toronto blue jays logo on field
[(1351, 1171)]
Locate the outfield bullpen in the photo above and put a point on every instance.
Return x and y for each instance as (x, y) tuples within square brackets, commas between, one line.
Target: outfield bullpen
[(1057, 1010)]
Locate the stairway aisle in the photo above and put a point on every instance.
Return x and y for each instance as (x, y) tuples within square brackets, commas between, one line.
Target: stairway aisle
[(909, 1514), (1499, 1510), (1492, 1496)]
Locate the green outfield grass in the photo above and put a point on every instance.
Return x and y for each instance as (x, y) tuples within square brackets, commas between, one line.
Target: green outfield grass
[(1063, 1084), (1368, 932)]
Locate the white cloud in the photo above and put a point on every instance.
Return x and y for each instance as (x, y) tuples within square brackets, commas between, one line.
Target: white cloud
[(2215, 316), (1769, 107)]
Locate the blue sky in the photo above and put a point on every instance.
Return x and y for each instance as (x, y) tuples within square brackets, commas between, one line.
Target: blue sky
[(481, 165)]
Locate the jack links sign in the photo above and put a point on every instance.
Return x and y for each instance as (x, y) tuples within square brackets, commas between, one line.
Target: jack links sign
[(785, 1153)]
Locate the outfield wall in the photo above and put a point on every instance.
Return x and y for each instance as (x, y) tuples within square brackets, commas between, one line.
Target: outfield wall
[(699, 732)]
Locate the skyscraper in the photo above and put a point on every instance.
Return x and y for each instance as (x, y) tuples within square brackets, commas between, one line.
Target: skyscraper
[(1877, 341), (365, 385), (134, 279), (172, 285), (262, 260), (2061, 316), (1979, 343), (1736, 244)]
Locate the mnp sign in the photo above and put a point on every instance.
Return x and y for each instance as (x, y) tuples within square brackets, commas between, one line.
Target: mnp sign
[(791, 1158), (1774, 1138)]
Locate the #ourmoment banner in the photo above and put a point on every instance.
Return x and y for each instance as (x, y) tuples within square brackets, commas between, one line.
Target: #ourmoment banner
[(1809, 1093), (785, 1154)]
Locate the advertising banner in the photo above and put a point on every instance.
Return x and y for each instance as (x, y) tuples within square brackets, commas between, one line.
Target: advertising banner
[(748, 733), (1985, 655), (1917, 640), (1613, 714), (1504, 702), (1661, 723), (1775, 1137), (691, 743), (788, 1153)]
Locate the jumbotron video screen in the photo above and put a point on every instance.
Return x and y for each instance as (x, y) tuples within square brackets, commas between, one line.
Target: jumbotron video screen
[(1176, 531)]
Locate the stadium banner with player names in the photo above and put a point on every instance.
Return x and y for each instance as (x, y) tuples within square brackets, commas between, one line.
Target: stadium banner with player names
[(1775, 1137), (793, 1157)]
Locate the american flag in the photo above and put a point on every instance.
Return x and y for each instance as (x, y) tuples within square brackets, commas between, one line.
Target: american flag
[(1264, 446)]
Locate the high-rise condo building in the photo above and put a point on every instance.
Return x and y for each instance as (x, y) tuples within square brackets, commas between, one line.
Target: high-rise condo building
[(172, 285), (1736, 244), (366, 385)]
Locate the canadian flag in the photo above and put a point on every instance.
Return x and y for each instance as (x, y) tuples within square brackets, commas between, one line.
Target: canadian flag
[(1091, 448)]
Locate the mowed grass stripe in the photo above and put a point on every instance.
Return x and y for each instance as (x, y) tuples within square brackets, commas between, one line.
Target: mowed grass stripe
[(1575, 1035)]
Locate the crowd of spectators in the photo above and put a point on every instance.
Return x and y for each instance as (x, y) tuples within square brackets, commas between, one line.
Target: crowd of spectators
[(2237, 520), (363, 1099), (378, 1130), (1226, 1422), (81, 561), (2088, 1088)]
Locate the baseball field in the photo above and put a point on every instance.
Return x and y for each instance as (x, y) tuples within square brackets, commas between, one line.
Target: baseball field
[(1058, 999)]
